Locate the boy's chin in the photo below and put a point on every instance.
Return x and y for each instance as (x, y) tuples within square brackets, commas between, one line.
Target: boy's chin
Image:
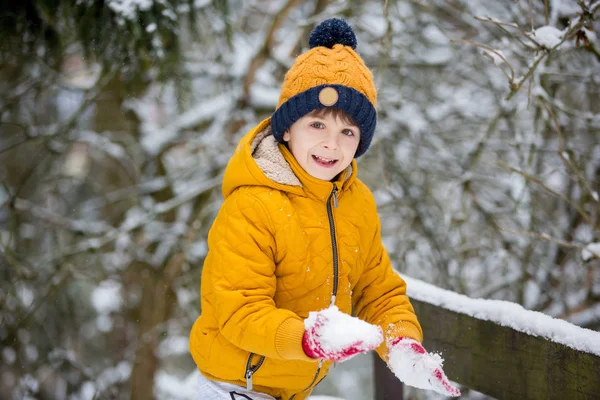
[(325, 175)]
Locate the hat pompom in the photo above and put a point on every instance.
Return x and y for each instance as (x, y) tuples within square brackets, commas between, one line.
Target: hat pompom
[(330, 32)]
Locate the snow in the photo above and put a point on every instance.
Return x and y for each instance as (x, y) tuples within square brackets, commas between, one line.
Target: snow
[(9, 356), (107, 297), (435, 35), (156, 137), (561, 8), (173, 345), (266, 97), (128, 8), (508, 314), (113, 375), (169, 386), (496, 56), (587, 316), (102, 142), (548, 36), (375, 24), (411, 115), (337, 330), (417, 368), (589, 251), (26, 295)]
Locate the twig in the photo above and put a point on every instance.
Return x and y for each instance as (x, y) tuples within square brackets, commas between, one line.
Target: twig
[(566, 161), (550, 190), (501, 25), (263, 52), (529, 91), (516, 85), (113, 234), (559, 105), (512, 73), (53, 218), (531, 15), (550, 239), (489, 290)]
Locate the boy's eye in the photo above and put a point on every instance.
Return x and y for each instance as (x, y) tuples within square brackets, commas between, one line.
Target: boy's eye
[(348, 132), (318, 125)]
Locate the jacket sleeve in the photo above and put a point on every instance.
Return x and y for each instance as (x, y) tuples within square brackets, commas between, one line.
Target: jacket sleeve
[(241, 281), (380, 295)]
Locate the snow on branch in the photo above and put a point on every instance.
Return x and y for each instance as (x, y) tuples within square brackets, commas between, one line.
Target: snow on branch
[(134, 223), (546, 39), (75, 225), (129, 8), (566, 160), (562, 196), (587, 251), (550, 36)]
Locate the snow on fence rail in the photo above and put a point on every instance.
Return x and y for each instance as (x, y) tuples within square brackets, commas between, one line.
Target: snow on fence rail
[(501, 349)]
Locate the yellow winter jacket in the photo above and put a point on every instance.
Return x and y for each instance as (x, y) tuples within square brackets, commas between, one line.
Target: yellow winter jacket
[(282, 244)]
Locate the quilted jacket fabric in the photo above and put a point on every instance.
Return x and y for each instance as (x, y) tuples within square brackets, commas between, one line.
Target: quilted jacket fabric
[(272, 260)]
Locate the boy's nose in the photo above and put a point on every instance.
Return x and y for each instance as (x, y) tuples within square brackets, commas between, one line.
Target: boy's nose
[(331, 142)]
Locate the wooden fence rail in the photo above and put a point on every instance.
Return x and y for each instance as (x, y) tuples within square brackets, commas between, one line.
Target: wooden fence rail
[(498, 361)]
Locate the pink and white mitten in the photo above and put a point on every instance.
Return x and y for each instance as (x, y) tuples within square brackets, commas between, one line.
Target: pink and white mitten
[(332, 335), (414, 366)]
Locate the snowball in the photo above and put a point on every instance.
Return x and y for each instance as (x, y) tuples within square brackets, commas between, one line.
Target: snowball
[(413, 368), (341, 329)]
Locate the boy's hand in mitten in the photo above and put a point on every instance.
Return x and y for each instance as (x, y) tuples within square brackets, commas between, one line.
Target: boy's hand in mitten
[(333, 335), (414, 366)]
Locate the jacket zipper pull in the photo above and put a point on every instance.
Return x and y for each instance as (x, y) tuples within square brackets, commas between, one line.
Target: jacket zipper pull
[(249, 380), (335, 199)]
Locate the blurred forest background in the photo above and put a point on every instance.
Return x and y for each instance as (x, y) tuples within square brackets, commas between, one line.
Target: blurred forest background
[(117, 118)]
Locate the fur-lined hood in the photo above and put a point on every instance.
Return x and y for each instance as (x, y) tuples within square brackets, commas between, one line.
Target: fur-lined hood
[(260, 160)]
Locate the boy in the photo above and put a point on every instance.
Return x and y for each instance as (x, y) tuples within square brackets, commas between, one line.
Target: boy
[(296, 246)]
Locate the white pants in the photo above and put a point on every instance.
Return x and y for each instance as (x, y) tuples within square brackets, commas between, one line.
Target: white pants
[(212, 390)]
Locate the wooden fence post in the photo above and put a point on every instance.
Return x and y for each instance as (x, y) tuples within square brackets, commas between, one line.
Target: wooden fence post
[(387, 386)]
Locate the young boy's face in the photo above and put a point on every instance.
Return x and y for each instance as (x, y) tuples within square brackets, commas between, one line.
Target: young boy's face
[(323, 145)]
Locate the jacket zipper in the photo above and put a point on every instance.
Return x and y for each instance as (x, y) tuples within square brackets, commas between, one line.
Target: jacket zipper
[(250, 370), (313, 381), (333, 196)]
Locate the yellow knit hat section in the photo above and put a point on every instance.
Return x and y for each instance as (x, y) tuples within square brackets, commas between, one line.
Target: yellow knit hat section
[(339, 65)]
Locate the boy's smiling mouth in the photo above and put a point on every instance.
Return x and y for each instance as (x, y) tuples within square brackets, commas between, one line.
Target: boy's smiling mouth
[(323, 161)]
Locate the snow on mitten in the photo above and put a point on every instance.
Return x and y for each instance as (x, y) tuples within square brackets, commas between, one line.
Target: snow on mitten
[(414, 366), (332, 335)]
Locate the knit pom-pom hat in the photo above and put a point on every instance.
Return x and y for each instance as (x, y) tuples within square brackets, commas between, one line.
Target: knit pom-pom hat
[(330, 74)]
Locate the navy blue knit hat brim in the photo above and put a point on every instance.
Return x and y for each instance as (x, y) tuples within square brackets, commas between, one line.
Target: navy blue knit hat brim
[(351, 101)]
